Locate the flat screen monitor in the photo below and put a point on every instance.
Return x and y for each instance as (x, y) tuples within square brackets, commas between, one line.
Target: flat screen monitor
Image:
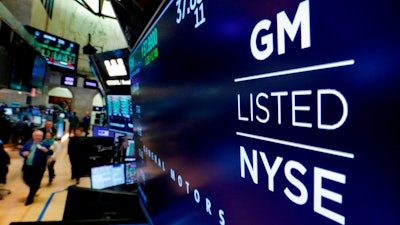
[(130, 151), (100, 131), (291, 126), (39, 71), (5, 61), (22, 57), (91, 84), (37, 120), (92, 206), (111, 70), (58, 52), (107, 176), (35, 111), (68, 80), (130, 173), (120, 113), (8, 111)]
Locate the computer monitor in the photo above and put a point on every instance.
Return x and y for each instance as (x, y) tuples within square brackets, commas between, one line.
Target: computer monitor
[(100, 131), (120, 113), (37, 120), (110, 206), (130, 173), (130, 151), (35, 111), (107, 176), (8, 111)]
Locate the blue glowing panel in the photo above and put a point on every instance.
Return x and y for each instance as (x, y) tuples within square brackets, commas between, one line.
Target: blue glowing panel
[(269, 112)]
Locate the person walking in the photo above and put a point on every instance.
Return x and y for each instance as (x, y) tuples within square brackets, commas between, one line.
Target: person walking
[(51, 161), (86, 123), (35, 155), (78, 155)]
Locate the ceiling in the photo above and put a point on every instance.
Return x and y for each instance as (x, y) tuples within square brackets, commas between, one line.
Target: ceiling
[(100, 8), (90, 23)]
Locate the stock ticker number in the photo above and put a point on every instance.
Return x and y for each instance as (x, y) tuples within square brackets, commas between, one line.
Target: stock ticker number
[(185, 7)]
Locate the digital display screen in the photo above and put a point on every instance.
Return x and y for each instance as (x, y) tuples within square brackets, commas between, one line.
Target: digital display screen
[(120, 113), (90, 84), (69, 81), (22, 57), (106, 176), (110, 69), (8, 111), (36, 111), (5, 61), (100, 131), (130, 151), (37, 120), (38, 72), (269, 112), (57, 51), (130, 173)]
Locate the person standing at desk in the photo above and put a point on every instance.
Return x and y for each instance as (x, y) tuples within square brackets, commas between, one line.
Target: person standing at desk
[(35, 155)]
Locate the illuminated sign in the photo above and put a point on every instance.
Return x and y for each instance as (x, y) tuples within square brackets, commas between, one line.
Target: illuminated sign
[(297, 113), (118, 82), (69, 81), (115, 67), (90, 84), (149, 47)]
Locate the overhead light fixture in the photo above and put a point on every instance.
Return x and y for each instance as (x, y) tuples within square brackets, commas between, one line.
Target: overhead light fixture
[(89, 49)]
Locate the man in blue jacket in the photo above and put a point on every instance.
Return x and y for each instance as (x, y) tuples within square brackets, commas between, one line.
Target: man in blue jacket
[(35, 155)]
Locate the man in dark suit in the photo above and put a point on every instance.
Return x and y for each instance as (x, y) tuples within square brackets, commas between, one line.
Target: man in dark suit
[(49, 128), (86, 123)]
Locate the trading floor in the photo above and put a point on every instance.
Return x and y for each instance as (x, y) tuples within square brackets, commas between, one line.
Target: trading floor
[(50, 200)]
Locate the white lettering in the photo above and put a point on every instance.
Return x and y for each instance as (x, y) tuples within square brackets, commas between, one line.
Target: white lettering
[(208, 206), (271, 171), (49, 37), (299, 108), (344, 112), (320, 192), (245, 159), (239, 111), (262, 110), (302, 18), (187, 187), (221, 217), (278, 96), (180, 182), (260, 106), (196, 195), (265, 40), (118, 82), (303, 197)]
